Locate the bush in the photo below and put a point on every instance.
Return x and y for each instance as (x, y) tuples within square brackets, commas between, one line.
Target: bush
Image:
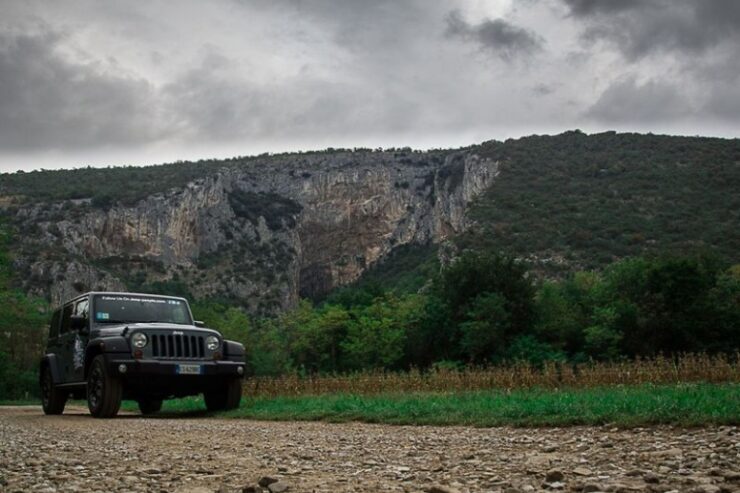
[(528, 349), (16, 383)]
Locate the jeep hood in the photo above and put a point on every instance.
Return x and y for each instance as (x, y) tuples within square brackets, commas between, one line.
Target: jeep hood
[(117, 329)]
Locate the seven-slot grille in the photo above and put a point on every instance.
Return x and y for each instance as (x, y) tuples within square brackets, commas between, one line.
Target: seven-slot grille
[(177, 346)]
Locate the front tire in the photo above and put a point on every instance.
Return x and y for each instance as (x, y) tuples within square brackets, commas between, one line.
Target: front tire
[(52, 399), (104, 391), (225, 396), (149, 406)]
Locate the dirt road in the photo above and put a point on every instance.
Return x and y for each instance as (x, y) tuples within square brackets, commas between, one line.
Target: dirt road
[(74, 452)]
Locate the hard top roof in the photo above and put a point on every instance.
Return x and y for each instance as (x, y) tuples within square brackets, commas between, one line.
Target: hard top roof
[(122, 293)]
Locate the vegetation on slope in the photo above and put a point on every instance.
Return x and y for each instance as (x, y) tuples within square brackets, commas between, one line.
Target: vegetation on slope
[(487, 309), (567, 202), (22, 335), (128, 184), (481, 310), (407, 269), (578, 202), (563, 201), (103, 186)]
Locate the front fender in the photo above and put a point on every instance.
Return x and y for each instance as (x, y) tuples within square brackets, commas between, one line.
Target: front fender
[(234, 351), (116, 344)]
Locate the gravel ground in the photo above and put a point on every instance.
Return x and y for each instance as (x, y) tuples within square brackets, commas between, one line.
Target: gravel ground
[(75, 452)]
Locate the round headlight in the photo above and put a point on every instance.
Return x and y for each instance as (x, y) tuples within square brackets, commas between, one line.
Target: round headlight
[(139, 340), (212, 343)]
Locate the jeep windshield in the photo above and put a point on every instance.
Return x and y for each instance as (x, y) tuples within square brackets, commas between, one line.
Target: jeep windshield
[(115, 309)]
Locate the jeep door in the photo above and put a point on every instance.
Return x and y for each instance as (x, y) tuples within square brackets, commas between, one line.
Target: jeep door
[(52, 343), (65, 342), (78, 338)]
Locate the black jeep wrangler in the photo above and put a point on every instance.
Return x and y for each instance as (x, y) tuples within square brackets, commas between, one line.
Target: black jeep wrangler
[(113, 346)]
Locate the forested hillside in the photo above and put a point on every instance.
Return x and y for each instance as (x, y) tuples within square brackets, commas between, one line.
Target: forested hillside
[(565, 202), (567, 248), (576, 201)]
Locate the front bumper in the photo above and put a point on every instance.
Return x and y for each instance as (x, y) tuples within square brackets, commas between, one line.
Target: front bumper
[(144, 367)]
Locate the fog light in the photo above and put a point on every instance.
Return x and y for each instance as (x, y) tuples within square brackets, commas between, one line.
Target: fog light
[(240, 370), (122, 368)]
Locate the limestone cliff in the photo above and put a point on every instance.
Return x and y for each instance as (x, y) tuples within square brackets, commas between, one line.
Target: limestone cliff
[(265, 233)]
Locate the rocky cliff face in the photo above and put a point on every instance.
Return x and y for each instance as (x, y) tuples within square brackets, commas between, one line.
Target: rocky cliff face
[(265, 233)]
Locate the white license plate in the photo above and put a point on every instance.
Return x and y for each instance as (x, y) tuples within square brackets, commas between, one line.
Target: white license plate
[(188, 369)]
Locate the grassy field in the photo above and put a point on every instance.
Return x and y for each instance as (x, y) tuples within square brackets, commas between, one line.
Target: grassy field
[(686, 405), (691, 390)]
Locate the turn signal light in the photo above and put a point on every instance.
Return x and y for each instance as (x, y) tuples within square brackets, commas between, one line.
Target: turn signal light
[(138, 354), (217, 355)]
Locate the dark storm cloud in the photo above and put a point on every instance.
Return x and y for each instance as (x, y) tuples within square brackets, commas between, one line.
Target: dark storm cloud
[(505, 40), (48, 101), (86, 80), (641, 28), (697, 40), (213, 105), (627, 101)]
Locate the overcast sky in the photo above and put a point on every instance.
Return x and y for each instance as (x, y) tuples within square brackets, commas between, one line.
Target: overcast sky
[(109, 83)]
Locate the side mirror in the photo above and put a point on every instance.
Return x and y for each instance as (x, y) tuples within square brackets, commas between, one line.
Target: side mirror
[(78, 322), (199, 323)]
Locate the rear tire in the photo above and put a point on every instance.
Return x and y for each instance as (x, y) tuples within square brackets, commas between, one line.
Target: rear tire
[(149, 406), (225, 396), (52, 399), (103, 390)]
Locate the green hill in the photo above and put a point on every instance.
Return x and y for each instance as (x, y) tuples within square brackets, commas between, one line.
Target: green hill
[(575, 201), (579, 202), (566, 202)]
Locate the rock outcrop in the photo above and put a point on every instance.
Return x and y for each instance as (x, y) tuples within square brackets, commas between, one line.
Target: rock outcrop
[(265, 233)]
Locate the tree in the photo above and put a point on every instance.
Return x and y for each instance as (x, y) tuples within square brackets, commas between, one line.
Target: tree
[(562, 313), (375, 336), (483, 333), (669, 304), (270, 355), (317, 342), (725, 301), (23, 330), (432, 336), (602, 339), (484, 302)]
